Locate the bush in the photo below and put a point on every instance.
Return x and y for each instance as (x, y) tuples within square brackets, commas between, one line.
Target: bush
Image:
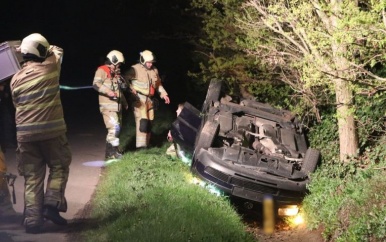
[(348, 200)]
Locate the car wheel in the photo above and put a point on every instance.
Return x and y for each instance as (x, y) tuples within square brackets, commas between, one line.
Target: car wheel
[(212, 95), (206, 136), (310, 160)]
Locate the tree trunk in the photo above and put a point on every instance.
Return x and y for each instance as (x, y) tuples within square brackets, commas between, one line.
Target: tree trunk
[(348, 139)]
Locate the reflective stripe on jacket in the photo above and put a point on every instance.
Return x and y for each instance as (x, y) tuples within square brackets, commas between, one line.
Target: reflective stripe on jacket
[(144, 78), (104, 83), (36, 96)]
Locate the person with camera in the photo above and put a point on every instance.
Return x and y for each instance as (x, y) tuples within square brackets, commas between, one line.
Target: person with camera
[(144, 83), (109, 84), (41, 132)]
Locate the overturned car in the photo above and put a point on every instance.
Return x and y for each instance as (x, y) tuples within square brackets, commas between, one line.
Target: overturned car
[(246, 149)]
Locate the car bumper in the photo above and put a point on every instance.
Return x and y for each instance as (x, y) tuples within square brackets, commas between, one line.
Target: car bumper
[(247, 183)]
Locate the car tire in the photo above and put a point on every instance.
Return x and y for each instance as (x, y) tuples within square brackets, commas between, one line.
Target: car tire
[(310, 160), (207, 135), (212, 95)]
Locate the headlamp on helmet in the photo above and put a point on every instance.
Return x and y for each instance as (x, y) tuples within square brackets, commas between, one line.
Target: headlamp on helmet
[(115, 57), (146, 56)]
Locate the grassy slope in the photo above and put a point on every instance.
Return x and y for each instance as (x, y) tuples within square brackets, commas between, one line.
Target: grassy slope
[(148, 197)]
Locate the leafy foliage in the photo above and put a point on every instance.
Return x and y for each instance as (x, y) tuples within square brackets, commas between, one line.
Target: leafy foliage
[(217, 51), (370, 114), (324, 137), (346, 212)]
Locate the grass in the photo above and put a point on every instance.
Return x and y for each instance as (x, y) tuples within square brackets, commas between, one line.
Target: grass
[(148, 197), (349, 201)]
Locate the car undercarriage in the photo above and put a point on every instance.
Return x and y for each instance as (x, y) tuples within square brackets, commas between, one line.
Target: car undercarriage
[(247, 149)]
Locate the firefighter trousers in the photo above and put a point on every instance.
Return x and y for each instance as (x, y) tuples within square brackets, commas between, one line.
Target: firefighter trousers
[(144, 115), (33, 159), (113, 126)]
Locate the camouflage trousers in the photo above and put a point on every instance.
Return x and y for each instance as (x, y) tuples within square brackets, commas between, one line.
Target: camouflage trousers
[(5, 199), (113, 126), (144, 115), (34, 158)]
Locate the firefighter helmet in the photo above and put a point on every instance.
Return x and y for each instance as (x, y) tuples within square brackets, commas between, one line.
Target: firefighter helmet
[(115, 57), (146, 56), (34, 45)]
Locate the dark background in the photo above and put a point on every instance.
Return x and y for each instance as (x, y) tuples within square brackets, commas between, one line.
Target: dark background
[(88, 30)]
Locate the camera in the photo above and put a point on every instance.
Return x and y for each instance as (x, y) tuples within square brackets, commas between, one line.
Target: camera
[(10, 59)]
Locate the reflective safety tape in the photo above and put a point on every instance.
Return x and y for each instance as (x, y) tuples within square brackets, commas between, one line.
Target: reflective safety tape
[(35, 81), (40, 93), (38, 126), (55, 102)]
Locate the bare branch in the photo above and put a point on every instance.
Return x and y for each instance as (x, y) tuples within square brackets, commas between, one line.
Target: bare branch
[(256, 4), (369, 73)]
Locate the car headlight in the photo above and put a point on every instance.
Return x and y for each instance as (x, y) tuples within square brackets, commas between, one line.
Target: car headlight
[(289, 210)]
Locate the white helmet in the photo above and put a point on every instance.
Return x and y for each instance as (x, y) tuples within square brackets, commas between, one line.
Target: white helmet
[(146, 56), (115, 57), (35, 44)]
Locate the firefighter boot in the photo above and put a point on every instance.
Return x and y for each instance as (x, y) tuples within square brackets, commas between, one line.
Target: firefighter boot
[(52, 214), (117, 153), (109, 152), (112, 152)]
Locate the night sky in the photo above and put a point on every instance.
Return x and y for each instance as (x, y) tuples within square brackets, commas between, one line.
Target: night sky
[(88, 30)]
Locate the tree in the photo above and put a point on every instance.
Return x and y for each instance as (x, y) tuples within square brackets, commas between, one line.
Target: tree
[(217, 51), (321, 49)]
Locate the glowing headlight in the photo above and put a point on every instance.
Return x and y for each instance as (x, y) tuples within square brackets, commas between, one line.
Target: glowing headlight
[(290, 210), (298, 219)]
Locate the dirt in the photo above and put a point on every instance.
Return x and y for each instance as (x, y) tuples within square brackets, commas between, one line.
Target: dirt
[(252, 218), (285, 233)]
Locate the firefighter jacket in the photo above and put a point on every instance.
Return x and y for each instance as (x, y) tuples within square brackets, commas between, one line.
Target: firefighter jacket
[(36, 97), (105, 82), (145, 81)]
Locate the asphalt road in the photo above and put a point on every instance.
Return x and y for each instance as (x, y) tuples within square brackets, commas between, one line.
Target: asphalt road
[(86, 135)]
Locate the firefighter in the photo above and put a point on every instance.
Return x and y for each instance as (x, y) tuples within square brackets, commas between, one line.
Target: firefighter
[(41, 132), (144, 83), (108, 83)]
